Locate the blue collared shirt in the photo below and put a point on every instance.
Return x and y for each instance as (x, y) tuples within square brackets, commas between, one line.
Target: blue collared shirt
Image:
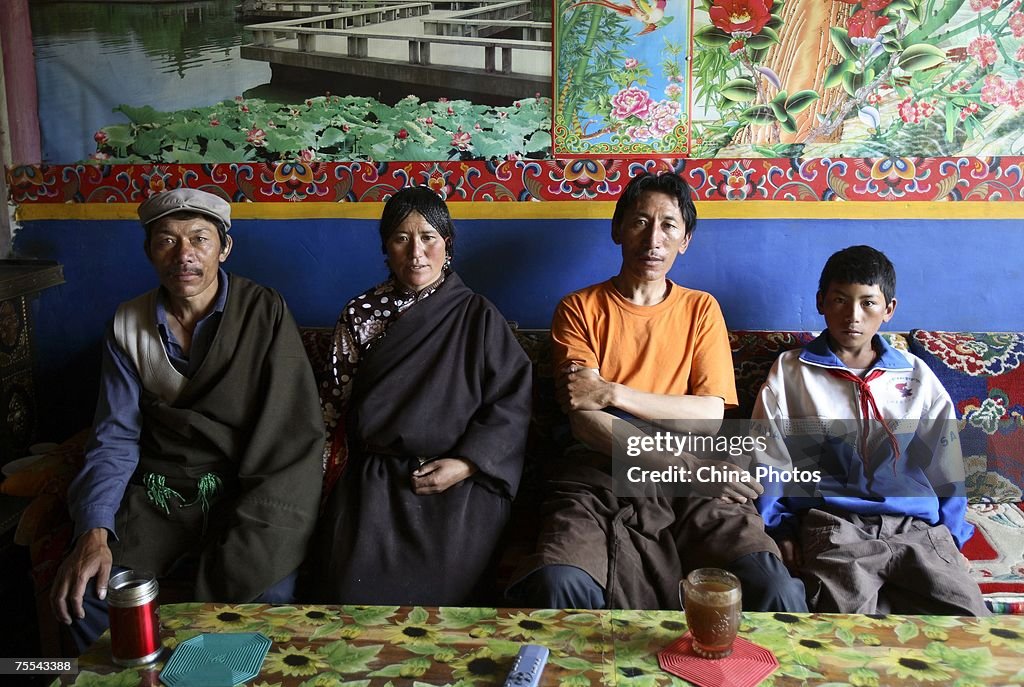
[(112, 453)]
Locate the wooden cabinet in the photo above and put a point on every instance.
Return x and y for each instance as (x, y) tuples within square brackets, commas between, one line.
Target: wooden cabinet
[(19, 281)]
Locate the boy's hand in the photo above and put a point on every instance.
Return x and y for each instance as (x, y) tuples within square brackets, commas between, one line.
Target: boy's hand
[(791, 556)]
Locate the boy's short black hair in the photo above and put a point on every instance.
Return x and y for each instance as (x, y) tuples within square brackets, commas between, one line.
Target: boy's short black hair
[(860, 265), (667, 183)]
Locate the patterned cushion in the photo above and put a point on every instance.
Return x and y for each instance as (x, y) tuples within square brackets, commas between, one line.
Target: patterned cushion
[(996, 552), (984, 374), (754, 352)]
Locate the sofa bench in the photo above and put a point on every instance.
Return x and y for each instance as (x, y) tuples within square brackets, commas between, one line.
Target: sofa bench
[(983, 372)]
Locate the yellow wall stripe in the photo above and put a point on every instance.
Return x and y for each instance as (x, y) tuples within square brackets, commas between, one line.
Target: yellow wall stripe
[(748, 209)]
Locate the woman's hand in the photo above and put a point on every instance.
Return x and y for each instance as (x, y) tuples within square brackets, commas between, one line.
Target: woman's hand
[(438, 475)]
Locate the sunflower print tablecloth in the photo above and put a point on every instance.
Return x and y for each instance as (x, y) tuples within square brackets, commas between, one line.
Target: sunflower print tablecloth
[(381, 646)]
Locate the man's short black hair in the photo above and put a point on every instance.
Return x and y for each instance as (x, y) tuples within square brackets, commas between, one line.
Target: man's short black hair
[(222, 233), (859, 265), (424, 201), (667, 183)]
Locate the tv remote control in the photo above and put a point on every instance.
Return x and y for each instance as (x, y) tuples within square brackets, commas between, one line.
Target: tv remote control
[(528, 666)]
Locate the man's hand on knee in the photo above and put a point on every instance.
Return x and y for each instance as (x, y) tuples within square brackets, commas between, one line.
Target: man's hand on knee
[(91, 558)]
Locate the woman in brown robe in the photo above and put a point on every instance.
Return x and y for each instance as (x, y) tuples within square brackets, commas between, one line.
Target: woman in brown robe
[(428, 402)]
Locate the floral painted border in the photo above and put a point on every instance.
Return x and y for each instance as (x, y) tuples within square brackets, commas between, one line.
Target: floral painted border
[(818, 179)]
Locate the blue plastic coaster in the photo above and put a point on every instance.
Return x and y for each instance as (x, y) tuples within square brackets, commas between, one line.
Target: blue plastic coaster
[(216, 660)]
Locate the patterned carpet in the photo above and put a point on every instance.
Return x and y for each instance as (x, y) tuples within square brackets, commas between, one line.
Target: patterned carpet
[(996, 552)]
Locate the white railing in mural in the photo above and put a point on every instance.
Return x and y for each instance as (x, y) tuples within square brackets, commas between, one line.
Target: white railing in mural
[(491, 18), (347, 33)]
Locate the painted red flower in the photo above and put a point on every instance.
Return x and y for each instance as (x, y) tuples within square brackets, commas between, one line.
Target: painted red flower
[(256, 136), (403, 134), (736, 16), (865, 24), (100, 137), (462, 140)]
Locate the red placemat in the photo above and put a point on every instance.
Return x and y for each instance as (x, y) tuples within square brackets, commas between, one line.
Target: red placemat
[(746, 666)]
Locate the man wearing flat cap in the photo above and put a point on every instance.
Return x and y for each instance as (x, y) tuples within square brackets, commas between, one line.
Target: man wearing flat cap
[(205, 462)]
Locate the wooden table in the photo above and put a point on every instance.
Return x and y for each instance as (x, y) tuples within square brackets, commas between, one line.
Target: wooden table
[(379, 645)]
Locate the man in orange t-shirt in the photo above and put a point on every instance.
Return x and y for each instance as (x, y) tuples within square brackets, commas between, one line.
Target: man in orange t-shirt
[(642, 349)]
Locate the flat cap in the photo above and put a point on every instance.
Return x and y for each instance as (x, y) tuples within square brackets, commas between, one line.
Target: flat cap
[(185, 200)]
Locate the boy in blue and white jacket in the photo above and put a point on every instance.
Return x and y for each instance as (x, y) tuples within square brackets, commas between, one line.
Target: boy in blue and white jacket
[(881, 530)]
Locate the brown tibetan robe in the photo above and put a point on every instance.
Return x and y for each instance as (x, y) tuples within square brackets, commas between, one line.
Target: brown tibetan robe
[(447, 380), (251, 415)]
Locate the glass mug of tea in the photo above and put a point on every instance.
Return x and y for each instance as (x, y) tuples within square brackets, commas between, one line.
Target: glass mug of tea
[(711, 599)]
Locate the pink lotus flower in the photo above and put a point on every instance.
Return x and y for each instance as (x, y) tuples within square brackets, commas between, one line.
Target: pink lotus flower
[(346, 128), (239, 98), (511, 157), (631, 102), (1020, 54), (100, 137), (631, 63), (451, 110), (307, 155), (982, 5), (256, 136), (477, 127), (442, 100), (503, 115), (402, 134), (429, 121), (214, 122), (244, 108), (462, 140), (983, 49)]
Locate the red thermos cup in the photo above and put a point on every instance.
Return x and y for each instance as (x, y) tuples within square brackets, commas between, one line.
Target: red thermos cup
[(134, 618)]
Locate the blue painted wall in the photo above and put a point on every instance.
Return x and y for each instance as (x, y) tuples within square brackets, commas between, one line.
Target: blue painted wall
[(955, 275)]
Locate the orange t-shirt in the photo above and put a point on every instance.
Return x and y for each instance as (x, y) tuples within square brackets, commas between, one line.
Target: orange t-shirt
[(679, 346)]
